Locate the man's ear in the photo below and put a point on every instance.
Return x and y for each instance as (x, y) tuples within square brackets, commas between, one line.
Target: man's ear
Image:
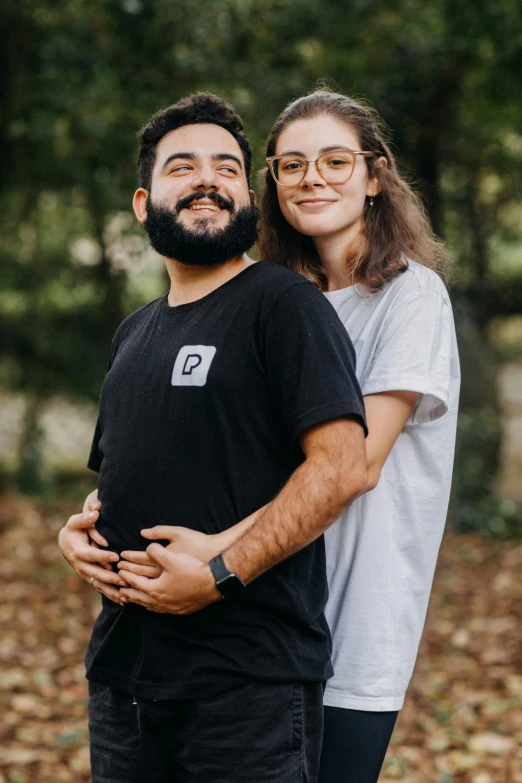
[(139, 204), (253, 197), (374, 186)]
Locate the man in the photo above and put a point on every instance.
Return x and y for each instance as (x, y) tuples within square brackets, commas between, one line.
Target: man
[(235, 391)]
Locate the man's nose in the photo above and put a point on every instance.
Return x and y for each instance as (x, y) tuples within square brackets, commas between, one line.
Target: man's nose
[(205, 178), (313, 177)]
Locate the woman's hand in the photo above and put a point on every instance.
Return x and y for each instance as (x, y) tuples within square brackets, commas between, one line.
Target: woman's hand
[(189, 542), (87, 559), (93, 504)]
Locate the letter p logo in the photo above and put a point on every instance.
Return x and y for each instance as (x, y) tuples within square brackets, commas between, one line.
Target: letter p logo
[(192, 361), (192, 365)]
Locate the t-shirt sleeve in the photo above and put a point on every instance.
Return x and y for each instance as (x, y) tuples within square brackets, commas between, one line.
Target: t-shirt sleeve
[(413, 353), (310, 362)]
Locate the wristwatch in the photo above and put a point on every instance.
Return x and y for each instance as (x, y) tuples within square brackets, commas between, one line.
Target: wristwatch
[(229, 585)]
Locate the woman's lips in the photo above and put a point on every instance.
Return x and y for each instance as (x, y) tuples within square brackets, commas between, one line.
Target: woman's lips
[(315, 203)]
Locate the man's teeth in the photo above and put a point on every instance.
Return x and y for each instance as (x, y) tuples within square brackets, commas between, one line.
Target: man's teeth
[(213, 207)]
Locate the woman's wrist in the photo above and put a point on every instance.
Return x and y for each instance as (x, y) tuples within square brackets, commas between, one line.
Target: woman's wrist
[(61, 550), (222, 541)]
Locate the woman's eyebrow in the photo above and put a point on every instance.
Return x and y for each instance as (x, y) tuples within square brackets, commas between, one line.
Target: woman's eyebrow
[(292, 152), (331, 148)]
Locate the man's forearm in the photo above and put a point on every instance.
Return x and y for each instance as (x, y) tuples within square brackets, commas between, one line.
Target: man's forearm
[(310, 501)]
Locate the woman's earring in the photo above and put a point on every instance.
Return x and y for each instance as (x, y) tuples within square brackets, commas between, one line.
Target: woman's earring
[(371, 201)]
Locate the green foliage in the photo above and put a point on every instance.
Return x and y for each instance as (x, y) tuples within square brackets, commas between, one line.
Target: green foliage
[(474, 505), (81, 77)]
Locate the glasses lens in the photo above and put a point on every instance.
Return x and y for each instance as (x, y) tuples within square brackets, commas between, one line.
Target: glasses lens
[(289, 170), (336, 166)]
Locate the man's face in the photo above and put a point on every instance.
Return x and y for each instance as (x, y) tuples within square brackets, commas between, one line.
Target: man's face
[(199, 209)]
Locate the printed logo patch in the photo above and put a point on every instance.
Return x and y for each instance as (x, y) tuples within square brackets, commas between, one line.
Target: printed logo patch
[(192, 365)]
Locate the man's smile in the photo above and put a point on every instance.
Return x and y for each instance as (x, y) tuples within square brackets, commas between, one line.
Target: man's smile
[(204, 206)]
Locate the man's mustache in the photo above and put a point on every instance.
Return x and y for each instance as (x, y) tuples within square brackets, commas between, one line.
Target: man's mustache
[(220, 201)]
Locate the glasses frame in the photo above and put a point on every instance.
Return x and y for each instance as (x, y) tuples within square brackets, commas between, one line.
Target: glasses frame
[(271, 160)]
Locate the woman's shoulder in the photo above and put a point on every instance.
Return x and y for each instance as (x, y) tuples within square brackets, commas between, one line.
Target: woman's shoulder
[(418, 281)]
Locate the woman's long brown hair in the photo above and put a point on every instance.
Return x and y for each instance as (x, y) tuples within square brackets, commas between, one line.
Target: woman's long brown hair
[(394, 229)]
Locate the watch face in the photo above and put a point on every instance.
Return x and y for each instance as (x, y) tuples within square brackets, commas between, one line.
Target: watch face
[(231, 586)]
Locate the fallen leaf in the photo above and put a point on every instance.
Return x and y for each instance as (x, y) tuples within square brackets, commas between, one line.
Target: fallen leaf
[(488, 742)]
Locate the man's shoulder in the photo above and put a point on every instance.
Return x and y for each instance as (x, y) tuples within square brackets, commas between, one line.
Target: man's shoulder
[(272, 271), (274, 280), (132, 320)]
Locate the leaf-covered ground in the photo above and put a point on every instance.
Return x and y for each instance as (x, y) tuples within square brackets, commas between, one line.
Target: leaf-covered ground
[(462, 720)]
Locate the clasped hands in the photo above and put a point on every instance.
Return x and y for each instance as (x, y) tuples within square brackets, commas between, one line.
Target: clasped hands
[(169, 580)]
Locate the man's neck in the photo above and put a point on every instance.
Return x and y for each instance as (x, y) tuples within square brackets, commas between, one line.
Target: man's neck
[(190, 283)]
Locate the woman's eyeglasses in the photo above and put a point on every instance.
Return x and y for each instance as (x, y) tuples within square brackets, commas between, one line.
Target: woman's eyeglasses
[(335, 167)]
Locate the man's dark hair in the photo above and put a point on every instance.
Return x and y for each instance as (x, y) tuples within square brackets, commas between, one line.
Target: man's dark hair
[(203, 107)]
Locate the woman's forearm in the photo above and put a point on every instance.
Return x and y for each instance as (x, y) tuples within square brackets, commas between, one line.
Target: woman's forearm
[(229, 536)]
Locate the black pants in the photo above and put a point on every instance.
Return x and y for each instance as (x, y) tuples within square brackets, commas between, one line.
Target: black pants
[(354, 745), (252, 733)]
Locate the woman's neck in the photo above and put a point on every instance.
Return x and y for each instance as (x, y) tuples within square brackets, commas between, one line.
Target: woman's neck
[(335, 252)]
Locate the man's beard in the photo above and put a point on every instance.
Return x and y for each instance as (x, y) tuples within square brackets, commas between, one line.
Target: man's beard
[(202, 245)]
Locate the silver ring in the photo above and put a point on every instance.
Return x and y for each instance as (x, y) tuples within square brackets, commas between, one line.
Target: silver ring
[(92, 581)]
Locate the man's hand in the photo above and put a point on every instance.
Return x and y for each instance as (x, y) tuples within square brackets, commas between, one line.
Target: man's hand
[(184, 586), (86, 558)]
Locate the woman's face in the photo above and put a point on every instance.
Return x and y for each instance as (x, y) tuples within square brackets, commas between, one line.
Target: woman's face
[(314, 207)]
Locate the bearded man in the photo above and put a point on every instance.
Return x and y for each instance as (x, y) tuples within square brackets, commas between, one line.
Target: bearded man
[(234, 392)]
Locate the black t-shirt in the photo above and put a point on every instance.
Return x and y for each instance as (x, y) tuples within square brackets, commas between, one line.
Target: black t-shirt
[(200, 417)]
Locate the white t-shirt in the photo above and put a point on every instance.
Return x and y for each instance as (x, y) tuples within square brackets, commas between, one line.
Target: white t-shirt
[(381, 552)]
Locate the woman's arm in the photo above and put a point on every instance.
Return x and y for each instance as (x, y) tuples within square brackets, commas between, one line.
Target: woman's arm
[(386, 415), (191, 542), (87, 559)]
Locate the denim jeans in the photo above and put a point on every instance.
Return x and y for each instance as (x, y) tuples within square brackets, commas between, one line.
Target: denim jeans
[(252, 733)]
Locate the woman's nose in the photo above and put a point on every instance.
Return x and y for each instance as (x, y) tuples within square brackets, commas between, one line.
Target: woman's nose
[(313, 176)]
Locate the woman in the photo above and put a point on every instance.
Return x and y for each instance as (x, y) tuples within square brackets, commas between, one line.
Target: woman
[(336, 210)]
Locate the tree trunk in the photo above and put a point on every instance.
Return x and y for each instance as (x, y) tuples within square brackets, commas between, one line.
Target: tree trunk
[(30, 476)]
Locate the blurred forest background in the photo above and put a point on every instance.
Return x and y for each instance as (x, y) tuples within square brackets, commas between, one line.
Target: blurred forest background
[(78, 79)]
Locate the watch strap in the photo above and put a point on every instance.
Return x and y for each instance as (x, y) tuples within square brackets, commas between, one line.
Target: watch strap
[(219, 569), (230, 585)]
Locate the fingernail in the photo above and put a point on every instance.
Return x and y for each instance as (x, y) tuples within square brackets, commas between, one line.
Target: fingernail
[(122, 583), (145, 531), (122, 603), (91, 515)]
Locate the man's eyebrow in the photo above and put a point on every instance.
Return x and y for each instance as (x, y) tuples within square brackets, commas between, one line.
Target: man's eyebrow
[(227, 156), (183, 155), (192, 156), (331, 148)]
